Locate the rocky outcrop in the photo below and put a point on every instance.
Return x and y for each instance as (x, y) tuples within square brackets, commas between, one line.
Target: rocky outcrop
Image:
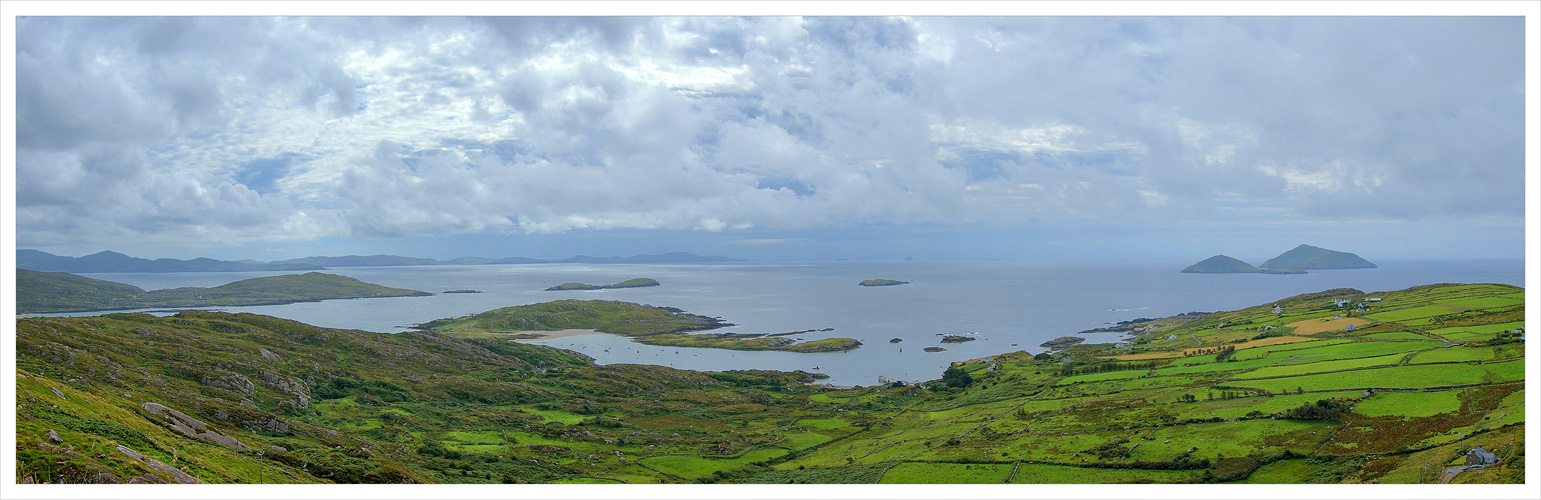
[(270, 356), (176, 474), (298, 392), (228, 380), (189, 426)]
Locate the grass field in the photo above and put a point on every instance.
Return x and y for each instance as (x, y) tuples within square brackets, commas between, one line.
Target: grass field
[(1323, 366), (1409, 404), (1453, 354), (1314, 326), (1396, 377), (927, 473)]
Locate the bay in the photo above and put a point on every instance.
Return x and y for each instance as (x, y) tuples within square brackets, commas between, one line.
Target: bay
[(1007, 306)]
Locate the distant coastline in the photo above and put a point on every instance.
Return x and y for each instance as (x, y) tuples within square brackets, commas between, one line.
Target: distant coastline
[(113, 262)]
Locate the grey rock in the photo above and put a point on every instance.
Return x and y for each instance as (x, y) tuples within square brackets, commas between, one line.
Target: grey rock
[(269, 355), (102, 478), (190, 426), (53, 437), (228, 380), (295, 388)]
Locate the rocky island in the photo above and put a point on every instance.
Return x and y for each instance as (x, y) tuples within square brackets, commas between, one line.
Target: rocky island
[(1061, 343), (631, 283), (957, 339), (882, 282)]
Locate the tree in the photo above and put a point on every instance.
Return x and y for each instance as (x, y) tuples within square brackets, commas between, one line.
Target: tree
[(956, 377)]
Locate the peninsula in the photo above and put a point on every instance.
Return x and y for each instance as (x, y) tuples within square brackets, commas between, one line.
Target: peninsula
[(43, 292), (663, 326)]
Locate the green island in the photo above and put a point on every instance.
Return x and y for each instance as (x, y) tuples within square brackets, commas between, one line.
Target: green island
[(662, 326), (881, 282), (1061, 343), (1310, 257), (1221, 264), (1281, 392), (631, 283), (47, 292), (957, 339)]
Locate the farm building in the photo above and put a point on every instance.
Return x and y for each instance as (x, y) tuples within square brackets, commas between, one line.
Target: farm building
[(1479, 456)]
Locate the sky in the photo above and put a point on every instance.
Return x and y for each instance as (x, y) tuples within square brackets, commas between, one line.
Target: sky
[(771, 138)]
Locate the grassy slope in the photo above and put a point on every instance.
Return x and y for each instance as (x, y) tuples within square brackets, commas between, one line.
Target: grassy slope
[(427, 407), (62, 292)]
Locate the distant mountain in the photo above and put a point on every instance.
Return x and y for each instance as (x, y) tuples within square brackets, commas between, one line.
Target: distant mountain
[(39, 292), (1309, 257), (1221, 264), (667, 258), (364, 261), (113, 262)]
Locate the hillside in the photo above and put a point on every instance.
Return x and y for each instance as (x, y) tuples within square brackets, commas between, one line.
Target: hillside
[(40, 292), (1245, 396), (1310, 257), (1221, 264)]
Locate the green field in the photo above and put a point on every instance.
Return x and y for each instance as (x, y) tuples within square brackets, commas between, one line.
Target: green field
[(1397, 377), (1453, 354), (1062, 474), (931, 473), (1323, 366), (1409, 404)]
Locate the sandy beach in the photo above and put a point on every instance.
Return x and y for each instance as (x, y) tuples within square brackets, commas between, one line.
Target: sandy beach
[(542, 335)]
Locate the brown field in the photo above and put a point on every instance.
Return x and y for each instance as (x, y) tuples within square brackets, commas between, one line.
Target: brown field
[(1310, 326), (1189, 352)]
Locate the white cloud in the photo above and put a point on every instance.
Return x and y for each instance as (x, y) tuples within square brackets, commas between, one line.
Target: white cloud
[(414, 127)]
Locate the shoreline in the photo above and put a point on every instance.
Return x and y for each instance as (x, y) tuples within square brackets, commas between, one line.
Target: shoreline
[(547, 334)]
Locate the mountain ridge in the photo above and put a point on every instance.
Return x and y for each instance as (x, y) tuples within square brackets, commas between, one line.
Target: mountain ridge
[(108, 261)]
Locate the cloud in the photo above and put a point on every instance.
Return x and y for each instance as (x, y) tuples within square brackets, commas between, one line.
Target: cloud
[(253, 128)]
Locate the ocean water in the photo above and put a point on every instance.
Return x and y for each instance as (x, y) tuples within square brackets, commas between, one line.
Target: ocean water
[(1008, 306)]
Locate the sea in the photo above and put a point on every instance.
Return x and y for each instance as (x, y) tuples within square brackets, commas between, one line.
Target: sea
[(1007, 306)]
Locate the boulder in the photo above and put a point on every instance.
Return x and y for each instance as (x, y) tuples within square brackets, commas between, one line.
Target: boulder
[(269, 355), (189, 426), (53, 437)]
